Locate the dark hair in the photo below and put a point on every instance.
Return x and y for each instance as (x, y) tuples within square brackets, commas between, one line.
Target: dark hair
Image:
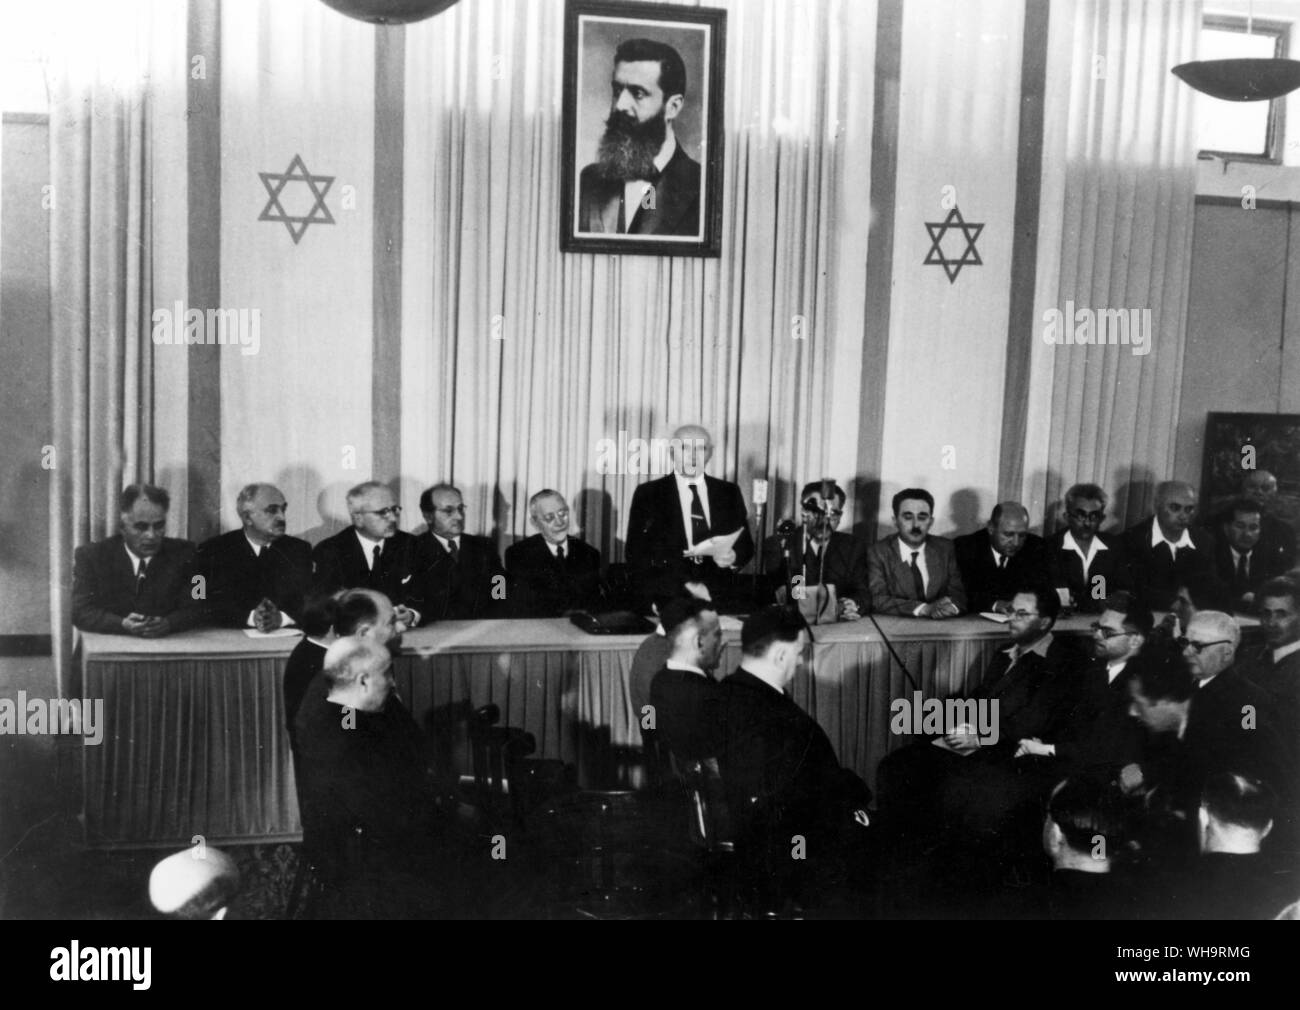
[(319, 614), (1084, 808), (426, 496), (1238, 799), (1136, 615), (672, 71), (1045, 597), (354, 608), (1160, 673), (1242, 504), (919, 493), (771, 624), (682, 609), (1280, 586), (1086, 492), (134, 492), (998, 512), (825, 487)]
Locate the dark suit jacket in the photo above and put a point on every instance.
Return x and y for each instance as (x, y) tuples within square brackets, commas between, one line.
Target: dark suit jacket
[(1276, 540), (686, 713), (1155, 578), (341, 564), (471, 588), (237, 580), (103, 586), (780, 772), (305, 662), (984, 582), (1033, 695), (1266, 561), (1098, 735), (540, 587), (675, 208), (843, 565), (890, 579), (1065, 571), (656, 532)]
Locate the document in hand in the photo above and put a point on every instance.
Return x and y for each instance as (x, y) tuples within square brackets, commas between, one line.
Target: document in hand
[(714, 545)]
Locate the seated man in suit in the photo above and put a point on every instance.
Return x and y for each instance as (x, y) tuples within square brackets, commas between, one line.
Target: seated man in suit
[(1276, 537), (1242, 559), (374, 554), (1166, 549), (644, 182), (996, 560), (1097, 737), (1085, 565), (1080, 812), (551, 572), (672, 515), (817, 554), (799, 816), (911, 572), (683, 695), (364, 788), (138, 582), (257, 577), (463, 578), (656, 647)]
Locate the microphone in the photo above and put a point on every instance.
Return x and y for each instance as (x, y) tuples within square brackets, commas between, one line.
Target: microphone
[(785, 528)]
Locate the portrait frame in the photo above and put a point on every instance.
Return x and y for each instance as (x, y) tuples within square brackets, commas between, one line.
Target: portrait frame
[(1275, 440), (593, 210)]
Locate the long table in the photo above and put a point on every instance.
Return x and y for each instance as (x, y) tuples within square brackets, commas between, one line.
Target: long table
[(195, 740)]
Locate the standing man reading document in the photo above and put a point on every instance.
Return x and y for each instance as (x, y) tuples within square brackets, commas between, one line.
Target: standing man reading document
[(694, 525)]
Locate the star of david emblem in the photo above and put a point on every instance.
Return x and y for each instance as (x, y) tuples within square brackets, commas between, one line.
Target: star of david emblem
[(316, 188), (970, 256)]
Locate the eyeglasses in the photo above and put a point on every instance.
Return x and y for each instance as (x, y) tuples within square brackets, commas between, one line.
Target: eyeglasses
[(1022, 615), (393, 511), (552, 517), (1187, 643), (834, 513), (1088, 517), (449, 510), (1108, 633)]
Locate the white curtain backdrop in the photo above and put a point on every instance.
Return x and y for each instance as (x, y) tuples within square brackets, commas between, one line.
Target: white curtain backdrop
[(1119, 181)]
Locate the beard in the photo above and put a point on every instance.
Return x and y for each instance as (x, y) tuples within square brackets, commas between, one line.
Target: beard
[(628, 148)]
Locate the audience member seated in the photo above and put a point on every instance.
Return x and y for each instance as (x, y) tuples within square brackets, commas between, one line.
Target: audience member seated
[(1201, 716), (1085, 565), (1084, 837), (1232, 878), (962, 780), (1098, 737), (817, 555), (368, 811), (257, 577), (463, 578), (551, 572), (683, 695), (911, 572), (137, 582), (799, 817), (374, 554), (996, 560), (1276, 537), (195, 883), (1243, 562), (655, 649), (1166, 550), (675, 514)]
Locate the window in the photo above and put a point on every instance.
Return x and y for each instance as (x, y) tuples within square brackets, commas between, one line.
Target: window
[(1241, 131)]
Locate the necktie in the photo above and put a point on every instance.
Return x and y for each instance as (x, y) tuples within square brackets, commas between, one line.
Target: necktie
[(559, 554), (814, 565), (1243, 570), (374, 567), (139, 577), (454, 551), (699, 525), (918, 583), (1002, 561)]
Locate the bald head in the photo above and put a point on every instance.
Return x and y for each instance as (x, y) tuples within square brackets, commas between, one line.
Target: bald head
[(692, 448), (1009, 528), (357, 669)]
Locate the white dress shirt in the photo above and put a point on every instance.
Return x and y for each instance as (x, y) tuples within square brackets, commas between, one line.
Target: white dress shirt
[(1158, 537)]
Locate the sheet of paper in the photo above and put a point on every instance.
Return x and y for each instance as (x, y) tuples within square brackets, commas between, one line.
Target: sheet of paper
[(277, 633), (714, 546), (999, 618)]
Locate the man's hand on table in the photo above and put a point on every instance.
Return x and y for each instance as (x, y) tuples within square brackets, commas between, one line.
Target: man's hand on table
[(155, 627)]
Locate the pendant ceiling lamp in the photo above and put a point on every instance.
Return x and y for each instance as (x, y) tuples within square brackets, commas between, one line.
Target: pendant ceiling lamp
[(1242, 80), (389, 12)]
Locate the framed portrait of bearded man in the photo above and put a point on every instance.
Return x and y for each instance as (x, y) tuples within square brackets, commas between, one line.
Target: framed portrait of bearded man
[(642, 129)]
